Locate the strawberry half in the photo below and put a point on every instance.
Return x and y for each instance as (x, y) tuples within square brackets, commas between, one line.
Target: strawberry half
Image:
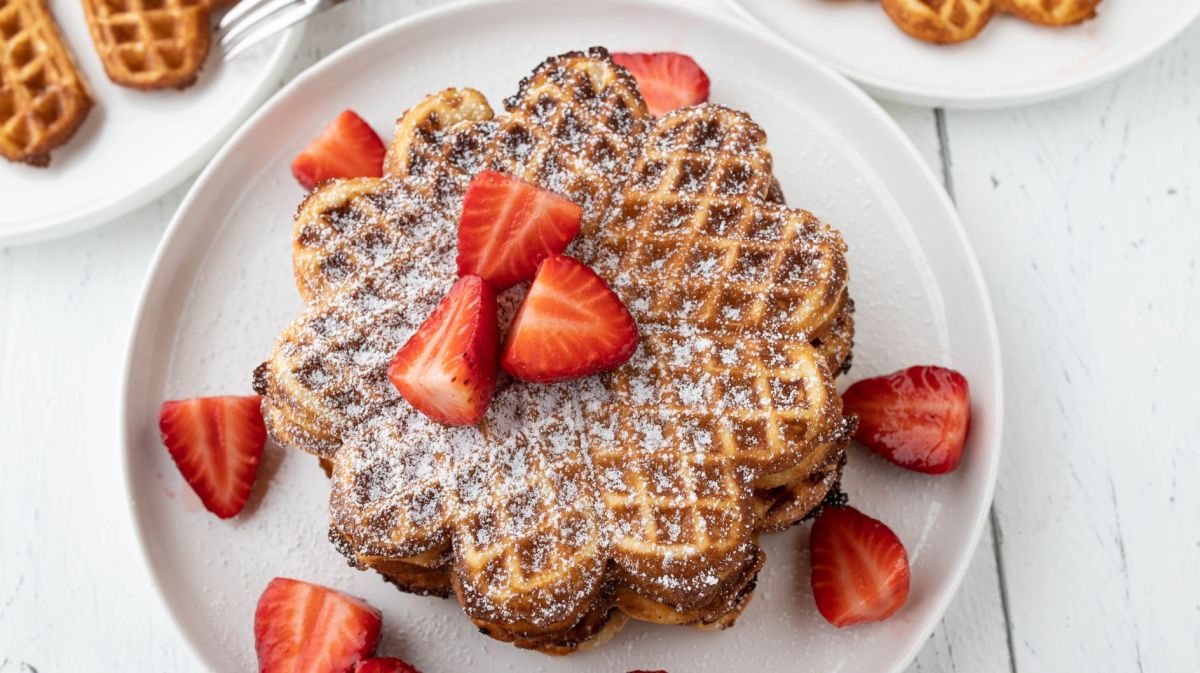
[(667, 80), (917, 418), (859, 567), (384, 665), (509, 226), (307, 628), (216, 442), (447, 369), (347, 148), (570, 325)]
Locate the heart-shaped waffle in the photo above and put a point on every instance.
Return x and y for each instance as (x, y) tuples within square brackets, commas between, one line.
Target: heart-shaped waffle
[(948, 21), (637, 493)]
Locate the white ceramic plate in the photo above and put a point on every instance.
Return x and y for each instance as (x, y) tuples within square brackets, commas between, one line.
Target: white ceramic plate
[(1011, 62), (221, 289), (134, 145)]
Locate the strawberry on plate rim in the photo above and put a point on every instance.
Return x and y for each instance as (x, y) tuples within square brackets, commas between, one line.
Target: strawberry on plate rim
[(301, 627), (918, 418), (217, 444), (347, 148), (860, 570)]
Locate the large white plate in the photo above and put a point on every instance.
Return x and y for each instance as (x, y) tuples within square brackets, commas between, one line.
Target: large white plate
[(221, 289), (1011, 62), (134, 145)]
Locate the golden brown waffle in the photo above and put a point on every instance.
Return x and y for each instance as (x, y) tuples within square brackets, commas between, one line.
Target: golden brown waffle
[(43, 97), (575, 504), (949, 21), (151, 44), (726, 388)]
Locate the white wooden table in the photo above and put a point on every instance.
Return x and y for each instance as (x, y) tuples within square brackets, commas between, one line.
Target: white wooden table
[(1085, 214)]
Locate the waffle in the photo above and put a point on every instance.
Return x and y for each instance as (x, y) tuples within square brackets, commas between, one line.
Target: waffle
[(949, 21), (567, 509), (151, 44), (43, 97), (726, 388)]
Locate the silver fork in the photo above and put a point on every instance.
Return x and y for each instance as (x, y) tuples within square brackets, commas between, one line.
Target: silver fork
[(252, 21)]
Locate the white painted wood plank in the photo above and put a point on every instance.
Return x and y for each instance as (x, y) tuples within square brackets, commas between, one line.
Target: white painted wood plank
[(1086, 213), (71, 593), (972, 636)]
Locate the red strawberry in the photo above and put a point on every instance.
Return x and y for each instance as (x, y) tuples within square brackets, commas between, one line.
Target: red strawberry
[(570, 325), (307, 628), (447, 369), (347, 148), (667, 80), (917, 418), (384, 665), (216, 442), (859, 567), (509, 226)]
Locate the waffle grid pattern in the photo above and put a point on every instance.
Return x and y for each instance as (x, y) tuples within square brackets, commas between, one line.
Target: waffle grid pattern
[(151, 44), (949, 21), (725, 289), (43, 98), (522, 527)]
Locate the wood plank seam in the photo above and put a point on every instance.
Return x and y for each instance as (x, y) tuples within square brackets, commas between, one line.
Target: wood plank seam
[(939, 120)]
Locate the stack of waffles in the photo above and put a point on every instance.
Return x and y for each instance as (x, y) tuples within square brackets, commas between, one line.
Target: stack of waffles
[(575, 506)]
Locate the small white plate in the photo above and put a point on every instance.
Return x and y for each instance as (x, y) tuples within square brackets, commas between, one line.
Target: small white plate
[(221, 289), (134, 145), (1011, 62)]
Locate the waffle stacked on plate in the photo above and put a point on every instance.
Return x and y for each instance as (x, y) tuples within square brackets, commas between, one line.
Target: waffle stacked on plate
[(576, 505), (43, 97), (948, 21)]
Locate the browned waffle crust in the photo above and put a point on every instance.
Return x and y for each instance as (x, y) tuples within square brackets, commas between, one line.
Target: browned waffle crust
[(638, 493), (949, 21), (43, 97), (151, 44)]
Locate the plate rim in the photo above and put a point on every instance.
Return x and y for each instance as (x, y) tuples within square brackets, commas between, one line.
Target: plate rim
[(33, 230), (1013, 97), (127, 419)]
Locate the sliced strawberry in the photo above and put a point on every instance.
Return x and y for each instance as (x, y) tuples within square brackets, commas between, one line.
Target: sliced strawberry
[(384, 665), (917, 418), (347, 148), (509, 226), (667, 80), (859, 567), (307, 628), (216, 442), (570, 325), (447, 369)]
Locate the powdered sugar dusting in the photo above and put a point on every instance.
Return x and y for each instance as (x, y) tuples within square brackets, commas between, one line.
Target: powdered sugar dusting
[(646, 474)]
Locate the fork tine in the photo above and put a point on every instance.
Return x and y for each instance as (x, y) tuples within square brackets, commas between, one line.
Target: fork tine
[(259, 14), (236, 13), (233, 46)]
